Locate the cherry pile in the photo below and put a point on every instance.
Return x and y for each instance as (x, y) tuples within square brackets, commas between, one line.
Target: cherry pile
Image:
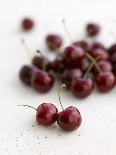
[(82, 66), (47, 114)]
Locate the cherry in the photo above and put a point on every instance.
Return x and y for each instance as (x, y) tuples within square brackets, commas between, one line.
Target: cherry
[(42, 81), (54, 41), (97, 45), (105, 81), (69, 119), (27, 24), (83, 44), (101, 53), (83, 87), (40, 61), (72, 55), (25, 74), (69, 75), (46, 114), (105, 66), (57, 65), (92, 29)]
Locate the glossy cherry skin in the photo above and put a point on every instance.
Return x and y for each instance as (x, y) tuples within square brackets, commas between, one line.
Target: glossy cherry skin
[(100, 53), (105, 81), (27, 24), (54, 41), (41, 62), (92, 29), (25, 74), (69, 119), (72, 55), (42, 81), (82, 87), (69, 75), (46, 114), (105, 66)]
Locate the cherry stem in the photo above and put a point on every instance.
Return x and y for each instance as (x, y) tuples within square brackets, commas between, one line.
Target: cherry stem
[(26, 48), (59, 91), (67, 31), (92, 59), (90, 67), (28, 106)]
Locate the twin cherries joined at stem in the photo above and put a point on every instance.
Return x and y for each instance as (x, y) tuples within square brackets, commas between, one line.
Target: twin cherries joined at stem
[(47, 114)]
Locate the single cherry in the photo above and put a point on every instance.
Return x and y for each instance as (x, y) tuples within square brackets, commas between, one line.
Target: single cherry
[(105, 81), (83, 44), (57, 65), (72, 56), (69, 119), (105, 66), (101, 53), (40, 61), (42, 81), (96, 45), (46, 114), (92, 29), (83, 87), (69, 75), (84, 64), (54, 41), (25, 74), (27, 24)]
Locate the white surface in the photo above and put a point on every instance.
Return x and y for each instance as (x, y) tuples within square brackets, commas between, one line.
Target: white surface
[(18, 136)]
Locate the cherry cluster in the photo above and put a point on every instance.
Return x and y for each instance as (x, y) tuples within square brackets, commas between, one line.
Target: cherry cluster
[(81, 66)]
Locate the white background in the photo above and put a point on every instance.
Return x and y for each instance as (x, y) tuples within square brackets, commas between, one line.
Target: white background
[(18, 135)]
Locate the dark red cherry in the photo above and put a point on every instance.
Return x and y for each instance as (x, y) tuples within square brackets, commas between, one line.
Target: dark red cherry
[(27, 24), (72, 55), (41, 62), (96, 45), (69, 75), (42, 81), (105, 81), (105, 66), (47, 114), (54, 41), (82, 87), (25, 74), (100, 53), (57, 65), (69, 119), (83, 44), (92, 29)]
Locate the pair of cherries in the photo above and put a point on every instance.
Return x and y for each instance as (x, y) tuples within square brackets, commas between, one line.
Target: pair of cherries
[(47, 114)]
